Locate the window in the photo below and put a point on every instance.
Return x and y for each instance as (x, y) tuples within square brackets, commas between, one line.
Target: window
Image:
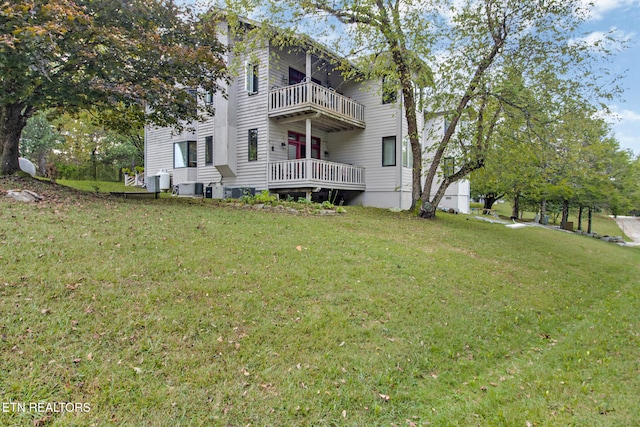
[(251, 77), (185, 154), (407, 155), (389, 151), (253, 144), (208, 150), (191, 103), (446, 125), (296, 77), (448, 166), (389, 90)]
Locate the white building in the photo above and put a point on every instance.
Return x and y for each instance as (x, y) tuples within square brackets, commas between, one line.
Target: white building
[(284, 99)]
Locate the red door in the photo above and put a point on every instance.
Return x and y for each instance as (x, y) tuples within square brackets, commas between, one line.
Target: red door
[(297, 148)]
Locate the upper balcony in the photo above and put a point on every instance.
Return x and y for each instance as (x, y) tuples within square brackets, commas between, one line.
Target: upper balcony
[(330, 111)]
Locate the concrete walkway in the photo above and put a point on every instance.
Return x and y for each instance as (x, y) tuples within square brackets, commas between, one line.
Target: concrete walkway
[(630, 225)]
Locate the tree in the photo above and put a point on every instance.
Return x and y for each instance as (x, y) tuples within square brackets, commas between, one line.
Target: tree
[(72, 55), (491, 41), (466, 51), (38, 140)]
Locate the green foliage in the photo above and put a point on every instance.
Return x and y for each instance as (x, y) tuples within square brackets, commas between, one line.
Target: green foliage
[(264, 197), (103, 55), (304, 201), (88, 171), (561, 156), (38, 140)]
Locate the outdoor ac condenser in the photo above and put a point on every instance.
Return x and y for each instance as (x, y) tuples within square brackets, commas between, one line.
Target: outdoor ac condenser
[(214, 192)]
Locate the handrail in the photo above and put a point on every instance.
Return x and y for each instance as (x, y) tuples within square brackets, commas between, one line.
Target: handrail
[(315, 170), (310, 93)]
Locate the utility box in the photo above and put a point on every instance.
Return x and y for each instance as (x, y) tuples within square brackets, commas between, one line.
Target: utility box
[(214, 192), (238, 192), (190, 189), (153, 184)]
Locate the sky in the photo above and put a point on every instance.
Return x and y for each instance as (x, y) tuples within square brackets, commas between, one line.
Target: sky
[(622, 16)]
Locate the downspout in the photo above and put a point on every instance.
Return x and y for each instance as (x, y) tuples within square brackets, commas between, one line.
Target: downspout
[(269, 144), (399, 148), (308, 141)]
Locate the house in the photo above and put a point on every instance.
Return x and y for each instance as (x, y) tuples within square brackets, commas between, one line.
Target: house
[(291, 124)]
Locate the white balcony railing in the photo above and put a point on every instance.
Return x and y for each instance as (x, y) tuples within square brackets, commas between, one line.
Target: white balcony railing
[(312, 94), (314, 172)]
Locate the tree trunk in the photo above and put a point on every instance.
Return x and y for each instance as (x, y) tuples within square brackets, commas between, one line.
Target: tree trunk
[(428, 208), (94, 164), (13, 120), (489, 200), (543, 210), (565, 214), (580, 218), (515, 209), (42, 164), (589, 221)]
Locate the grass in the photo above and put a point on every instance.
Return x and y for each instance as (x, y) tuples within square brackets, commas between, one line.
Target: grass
[(184, 312), (98, 186), (602, 224)]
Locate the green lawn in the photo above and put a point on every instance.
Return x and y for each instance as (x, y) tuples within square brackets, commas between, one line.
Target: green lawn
[(601, 223), (98, 186), (175, 312)]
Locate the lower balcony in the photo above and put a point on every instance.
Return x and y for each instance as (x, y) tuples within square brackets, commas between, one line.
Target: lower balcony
[(314, 173)]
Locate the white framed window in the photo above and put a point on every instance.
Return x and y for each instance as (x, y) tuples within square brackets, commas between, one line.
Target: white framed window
[(407, 155), (251, 77), (253, 144), (448, 166), (208, 150), (185, 154), (389, 151)]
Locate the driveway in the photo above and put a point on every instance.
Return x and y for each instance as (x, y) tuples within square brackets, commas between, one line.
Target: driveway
[(630, 225)]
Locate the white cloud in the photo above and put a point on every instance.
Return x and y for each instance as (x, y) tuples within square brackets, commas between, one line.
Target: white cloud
[(601, 7), (626, 127), (614, 39), (626, 115)]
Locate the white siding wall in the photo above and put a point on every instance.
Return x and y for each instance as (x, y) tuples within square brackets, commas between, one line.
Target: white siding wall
[(251, 113), (159, 148), (364, 147), (458, 195), (207, 174)]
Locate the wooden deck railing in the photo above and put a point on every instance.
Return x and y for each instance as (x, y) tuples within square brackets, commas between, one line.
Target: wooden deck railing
[(315, 172), (309, 93)]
